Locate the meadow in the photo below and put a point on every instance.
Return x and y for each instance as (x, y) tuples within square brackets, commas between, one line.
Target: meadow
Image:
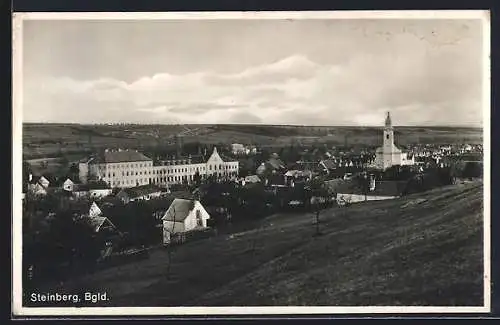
[(420, 250)]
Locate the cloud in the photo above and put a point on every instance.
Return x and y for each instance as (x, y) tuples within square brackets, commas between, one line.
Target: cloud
[(244, 118), (418, 86)]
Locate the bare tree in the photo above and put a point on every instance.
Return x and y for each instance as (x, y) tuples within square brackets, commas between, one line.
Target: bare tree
[(318, 198), (169, 248)]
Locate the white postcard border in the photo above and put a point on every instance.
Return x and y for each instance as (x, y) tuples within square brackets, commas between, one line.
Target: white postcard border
[(19, 310)]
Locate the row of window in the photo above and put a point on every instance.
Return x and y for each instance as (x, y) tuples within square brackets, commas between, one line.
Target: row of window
[(176, 170), (157, 180), (168, 171), (130, 165)]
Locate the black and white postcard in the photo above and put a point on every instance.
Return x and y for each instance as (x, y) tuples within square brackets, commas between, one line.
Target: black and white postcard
[(251, 163)]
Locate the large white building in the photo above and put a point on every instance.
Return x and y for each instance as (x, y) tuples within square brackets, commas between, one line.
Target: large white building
[(129, 168), (389, 155)]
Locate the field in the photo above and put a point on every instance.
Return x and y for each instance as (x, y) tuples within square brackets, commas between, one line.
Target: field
[(55, 140), (424, 249)]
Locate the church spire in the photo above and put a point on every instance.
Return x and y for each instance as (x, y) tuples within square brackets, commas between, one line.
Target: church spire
[(388, 122)]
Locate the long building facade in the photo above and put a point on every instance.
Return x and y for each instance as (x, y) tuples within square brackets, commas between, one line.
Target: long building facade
[(128, 168)]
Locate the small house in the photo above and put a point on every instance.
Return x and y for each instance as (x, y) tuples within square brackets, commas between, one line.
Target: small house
[(327, 165), (38, 185), (44, 182), (101, 223), (97, 221), (93, 190), (68, 185), (37, 189), (184, 215), (94, 210), (143, 192), (250, 180), (238, 149), (272, 166), (294, 176)]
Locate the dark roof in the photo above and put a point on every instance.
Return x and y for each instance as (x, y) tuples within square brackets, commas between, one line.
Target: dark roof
[(276, 163), (179, 210), (142, 190), (90, 186), (121, 156), (159, 204), (195, 159), (226, 158), (198, 159), (329, 163), (98, 222)]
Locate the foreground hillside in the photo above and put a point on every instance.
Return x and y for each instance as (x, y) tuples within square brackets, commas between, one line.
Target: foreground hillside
[(422, 250)]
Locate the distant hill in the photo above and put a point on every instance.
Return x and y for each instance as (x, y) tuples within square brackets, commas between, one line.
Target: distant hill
[(54, 140), (425, 249)]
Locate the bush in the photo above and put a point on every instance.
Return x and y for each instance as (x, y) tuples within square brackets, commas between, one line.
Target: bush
[(472, 170)]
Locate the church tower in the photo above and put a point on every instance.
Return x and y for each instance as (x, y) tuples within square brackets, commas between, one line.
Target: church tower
[(388, 147)]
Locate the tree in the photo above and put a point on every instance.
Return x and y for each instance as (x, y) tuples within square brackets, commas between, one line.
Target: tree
[(74, 171), (472, 170), (363, 184), (318, 197), (197, 178)]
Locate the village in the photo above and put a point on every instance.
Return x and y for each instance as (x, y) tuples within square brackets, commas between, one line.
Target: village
[(115, 207)]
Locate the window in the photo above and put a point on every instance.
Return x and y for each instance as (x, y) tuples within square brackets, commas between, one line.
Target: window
[(199, 219), (387, 136)]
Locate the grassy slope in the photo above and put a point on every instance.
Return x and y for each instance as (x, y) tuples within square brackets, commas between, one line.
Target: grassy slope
[(421, 250)]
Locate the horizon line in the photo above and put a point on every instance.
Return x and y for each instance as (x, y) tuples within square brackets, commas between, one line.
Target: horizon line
[(259, 124)]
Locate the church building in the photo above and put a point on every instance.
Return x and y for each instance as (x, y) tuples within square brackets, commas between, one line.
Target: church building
[(389, 155)]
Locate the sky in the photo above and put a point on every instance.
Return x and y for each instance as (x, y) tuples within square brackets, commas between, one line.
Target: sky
[(301, 72)]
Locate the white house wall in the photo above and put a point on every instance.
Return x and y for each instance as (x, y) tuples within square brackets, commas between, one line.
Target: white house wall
[(353, 198), (191, 222), (100, 193), (173, 227)]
